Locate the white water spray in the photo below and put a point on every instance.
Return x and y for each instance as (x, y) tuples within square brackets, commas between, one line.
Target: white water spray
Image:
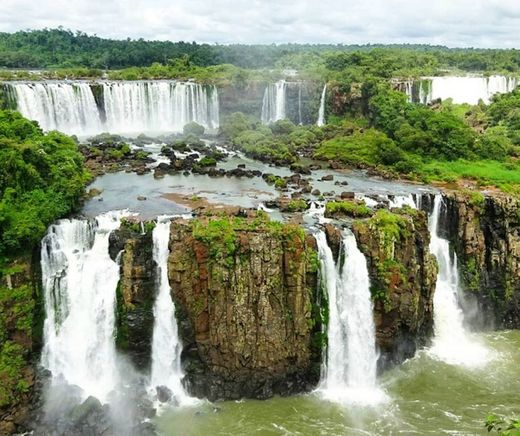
[(274, 101), (166, 345), (452, 343), (462, 89), (125, 107), (350, 371), (79, 283), (321, 112)]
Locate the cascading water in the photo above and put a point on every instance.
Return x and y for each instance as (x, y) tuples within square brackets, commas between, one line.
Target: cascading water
[(321, 111), (350, 370), (79, 283), (69, 107), (166, 345), (159, 106), (461, 89), (452, 343), (125, 107), (273, 103)]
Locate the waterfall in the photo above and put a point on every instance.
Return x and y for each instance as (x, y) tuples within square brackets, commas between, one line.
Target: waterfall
[(462, 89), (79, 284), (350, 370), (166, 345), (160, 106), (300, 122), (452, 343), (321, 112), (65, 106), (125, 107), (273, 103)]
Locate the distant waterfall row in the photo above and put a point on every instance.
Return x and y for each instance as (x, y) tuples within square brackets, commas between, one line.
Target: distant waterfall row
[(460, 89), (286, 100), (84, 108)]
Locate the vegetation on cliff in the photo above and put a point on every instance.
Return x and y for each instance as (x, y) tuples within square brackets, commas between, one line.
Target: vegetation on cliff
[(42, 178)]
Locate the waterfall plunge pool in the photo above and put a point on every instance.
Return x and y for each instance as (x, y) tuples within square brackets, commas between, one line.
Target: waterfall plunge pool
[(426, 396)]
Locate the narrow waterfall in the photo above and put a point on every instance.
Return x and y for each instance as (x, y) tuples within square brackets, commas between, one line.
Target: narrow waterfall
[(166, 345), (452, 343), (350, 371), (461, 89), (321, 112), (79, 283), (69, 107), (125, 107), (273, 103)]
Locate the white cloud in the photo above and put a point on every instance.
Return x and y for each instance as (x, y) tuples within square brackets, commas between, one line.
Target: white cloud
[(456, 23)]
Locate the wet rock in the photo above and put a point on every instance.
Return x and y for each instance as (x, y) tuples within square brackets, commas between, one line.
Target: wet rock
[(164, 394), (264, 354), (347, 195), (404, 271), (316, 192), (327, 178), (141, 198), (241, 166)]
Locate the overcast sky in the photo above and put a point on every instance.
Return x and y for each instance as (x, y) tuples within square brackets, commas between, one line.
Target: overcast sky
[(455, 23)]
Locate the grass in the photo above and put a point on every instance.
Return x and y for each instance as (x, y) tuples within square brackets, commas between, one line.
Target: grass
[(348, 208), (503, 175)]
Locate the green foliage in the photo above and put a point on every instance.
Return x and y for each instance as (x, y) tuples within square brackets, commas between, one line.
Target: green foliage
[(390, 227), (193, 128), (41, 178), (12, 364), (296, 205), (137, 226), (348, 208), (16, 320), (501, 426), (207, 161)]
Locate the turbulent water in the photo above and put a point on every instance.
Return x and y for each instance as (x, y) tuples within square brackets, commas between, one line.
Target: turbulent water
[(122, 107), (452, 343), (274, 102), (350, 368), (79, 282), (166, 345), (426, 397), (321, 111), (461, 89)]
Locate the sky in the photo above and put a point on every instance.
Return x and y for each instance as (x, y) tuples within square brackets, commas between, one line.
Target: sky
[(454, 23)]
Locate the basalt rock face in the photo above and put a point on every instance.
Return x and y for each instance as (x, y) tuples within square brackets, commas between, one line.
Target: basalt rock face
[(402, 276), (244, 295), (135, 293), (485, 233)]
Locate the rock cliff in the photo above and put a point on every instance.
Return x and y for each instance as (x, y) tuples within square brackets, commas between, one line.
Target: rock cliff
[(244, 290)]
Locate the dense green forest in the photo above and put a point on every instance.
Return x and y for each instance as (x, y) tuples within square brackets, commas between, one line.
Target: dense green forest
[(42, 178), (60, 48), (447, 143)]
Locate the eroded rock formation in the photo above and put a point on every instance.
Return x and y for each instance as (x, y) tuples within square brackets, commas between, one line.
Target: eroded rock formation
[(244, 291)]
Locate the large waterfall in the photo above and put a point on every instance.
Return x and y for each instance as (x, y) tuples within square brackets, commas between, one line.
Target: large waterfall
[(69, 107), (452, 343), (166, 345), (79, 282), (350, 369), (321, 112), (273, 104), (461, 89), (122, 107)]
